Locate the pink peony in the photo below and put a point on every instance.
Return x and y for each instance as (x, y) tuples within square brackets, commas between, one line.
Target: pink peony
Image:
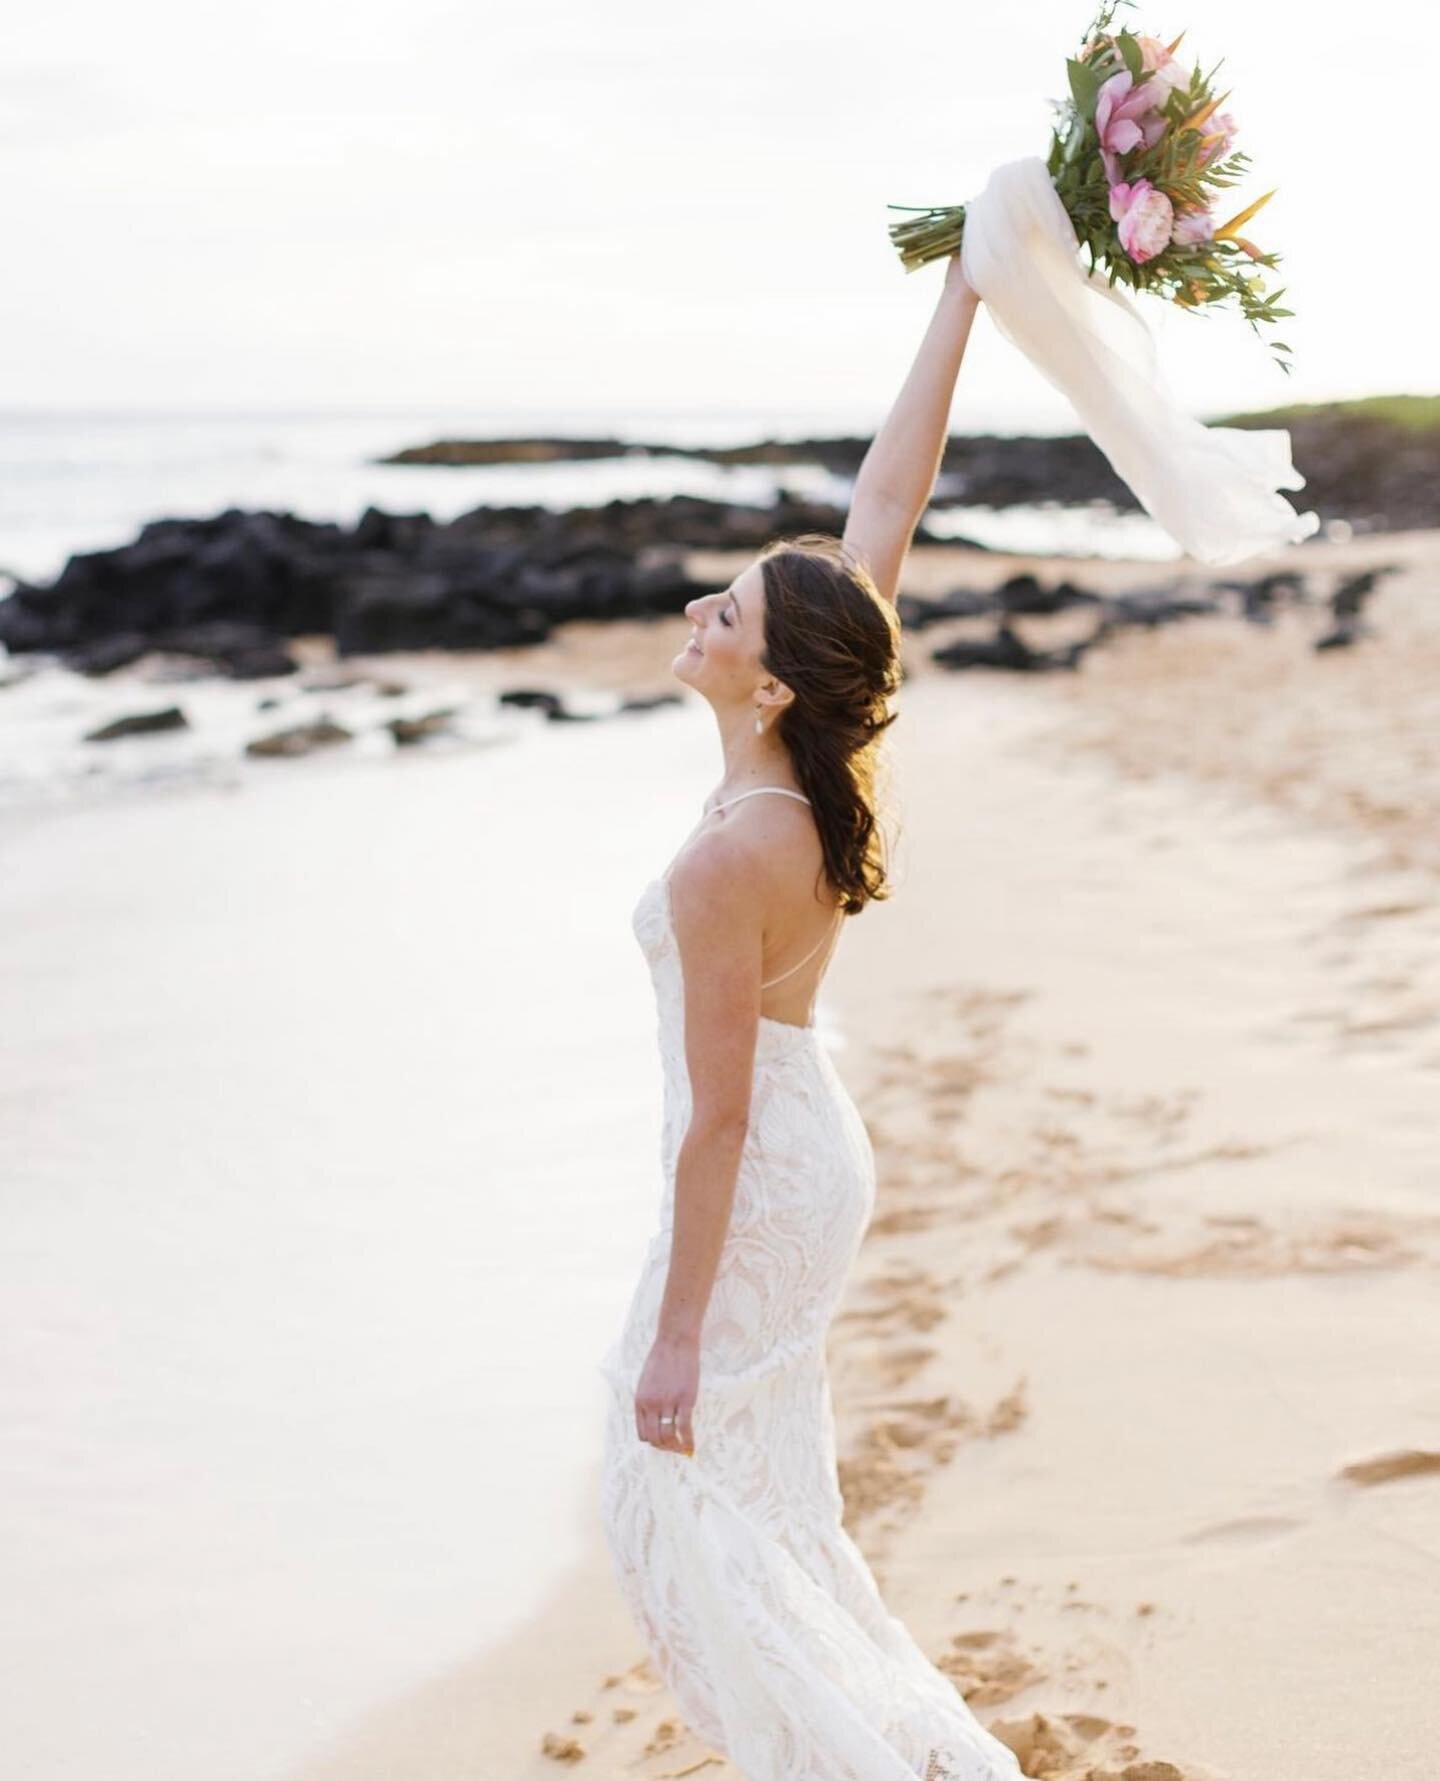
[(1223, 127), (1166, 74), (1125, 118), (1191, 226), (1145, 216)]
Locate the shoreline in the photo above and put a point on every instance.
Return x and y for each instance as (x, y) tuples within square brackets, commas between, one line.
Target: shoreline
[(1144, 1328), (174, 721)]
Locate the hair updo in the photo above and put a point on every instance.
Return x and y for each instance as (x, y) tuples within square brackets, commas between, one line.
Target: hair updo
[(834, 640)]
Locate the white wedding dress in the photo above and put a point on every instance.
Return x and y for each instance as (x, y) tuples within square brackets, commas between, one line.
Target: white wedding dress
[(758, 1609)]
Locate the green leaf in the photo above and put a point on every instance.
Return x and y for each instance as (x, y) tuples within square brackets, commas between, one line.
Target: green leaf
[(1084, 86), (1130, 50)]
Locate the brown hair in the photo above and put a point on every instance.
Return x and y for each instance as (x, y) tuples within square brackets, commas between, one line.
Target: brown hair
[(834, 640)]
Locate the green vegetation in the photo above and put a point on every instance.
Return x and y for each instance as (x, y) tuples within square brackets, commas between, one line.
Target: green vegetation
[(1421, 414)]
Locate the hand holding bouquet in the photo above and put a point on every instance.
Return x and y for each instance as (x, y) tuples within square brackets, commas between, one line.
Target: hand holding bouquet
[(1139, 156)]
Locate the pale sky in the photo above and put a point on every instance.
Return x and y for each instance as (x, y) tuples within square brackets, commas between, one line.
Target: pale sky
[(645, 205)]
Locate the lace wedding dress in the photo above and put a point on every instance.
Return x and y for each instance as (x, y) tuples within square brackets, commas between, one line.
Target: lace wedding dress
[(758, 1609)]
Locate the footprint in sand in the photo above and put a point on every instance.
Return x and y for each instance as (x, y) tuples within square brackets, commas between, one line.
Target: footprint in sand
[(1244, 1530), (902, 1221), (1239, 1245), (1384, 1468), (1381, 912), (1066, 1745), (883, 1473), (987, 1668), (898, 1366), (1380, 1027), (912, 1301)]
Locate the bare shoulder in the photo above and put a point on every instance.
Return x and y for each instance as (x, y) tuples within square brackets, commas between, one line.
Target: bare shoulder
[(715, 874), (779, 841), (761, 853)]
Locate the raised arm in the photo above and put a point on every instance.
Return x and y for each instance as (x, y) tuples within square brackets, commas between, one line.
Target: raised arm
[(899, 471)]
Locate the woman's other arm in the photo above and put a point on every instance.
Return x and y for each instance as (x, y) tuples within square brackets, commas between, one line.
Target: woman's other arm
[(720, 932), (899, 471)]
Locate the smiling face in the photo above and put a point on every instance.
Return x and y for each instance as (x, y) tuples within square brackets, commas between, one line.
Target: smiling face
[(722, 659)]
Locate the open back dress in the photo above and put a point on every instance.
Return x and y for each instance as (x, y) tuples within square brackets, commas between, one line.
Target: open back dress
[(756, 1606)]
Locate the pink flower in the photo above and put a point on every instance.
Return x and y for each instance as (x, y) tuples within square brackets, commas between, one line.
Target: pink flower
[(1191, 226), (1223, 128), (1124, 118), (1145, 216), (1166, 74)]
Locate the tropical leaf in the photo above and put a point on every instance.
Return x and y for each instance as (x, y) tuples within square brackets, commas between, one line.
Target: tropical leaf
[(1084, 86)]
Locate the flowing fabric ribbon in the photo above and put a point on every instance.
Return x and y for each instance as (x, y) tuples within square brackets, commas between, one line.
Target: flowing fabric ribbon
[(1213, 489)]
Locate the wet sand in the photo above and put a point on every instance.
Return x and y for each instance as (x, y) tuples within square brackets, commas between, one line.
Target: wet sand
[(1138, 1377)]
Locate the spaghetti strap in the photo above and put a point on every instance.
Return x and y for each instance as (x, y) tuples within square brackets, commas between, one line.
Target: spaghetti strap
[(724, 805), (809, 955), (755, 790)]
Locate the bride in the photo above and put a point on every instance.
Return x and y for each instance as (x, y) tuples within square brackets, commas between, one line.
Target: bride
[(719, 1496)]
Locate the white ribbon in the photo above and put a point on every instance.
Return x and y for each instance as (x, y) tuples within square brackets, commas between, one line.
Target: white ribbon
[(1213, 489)]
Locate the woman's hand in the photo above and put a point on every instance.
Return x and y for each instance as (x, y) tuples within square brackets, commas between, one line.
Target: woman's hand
[(668, 1387), (956, 282)]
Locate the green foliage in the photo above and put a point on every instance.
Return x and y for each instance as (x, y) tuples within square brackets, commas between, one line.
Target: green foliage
[(1419, 414), (1197, 276), (1084, 87)]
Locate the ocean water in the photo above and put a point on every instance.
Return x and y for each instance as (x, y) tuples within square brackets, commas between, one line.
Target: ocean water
[(73, 482), (332, 1126), (331, 1130), (77, 482)]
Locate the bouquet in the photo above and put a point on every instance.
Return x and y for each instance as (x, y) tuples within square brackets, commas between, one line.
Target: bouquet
[(1139, 154)]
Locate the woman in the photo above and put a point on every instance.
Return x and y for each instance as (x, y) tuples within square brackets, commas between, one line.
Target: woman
[(719, 1498)]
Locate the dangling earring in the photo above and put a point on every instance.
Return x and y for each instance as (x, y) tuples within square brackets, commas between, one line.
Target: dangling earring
[(759, 722)]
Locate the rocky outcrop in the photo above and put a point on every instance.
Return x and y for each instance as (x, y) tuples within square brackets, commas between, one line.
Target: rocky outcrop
[(139, 723), (1004, 643), (233, 587), (1375, 464)]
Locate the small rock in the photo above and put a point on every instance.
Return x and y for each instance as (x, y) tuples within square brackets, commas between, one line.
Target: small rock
[(302, 739), (1343, 635), (650, 701), (531, 698), (1008, 649), (408, 730), (260, 663), (140, 723)]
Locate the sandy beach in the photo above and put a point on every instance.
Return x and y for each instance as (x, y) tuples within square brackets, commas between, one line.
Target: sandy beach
[(346, 547), (1138, 1378)]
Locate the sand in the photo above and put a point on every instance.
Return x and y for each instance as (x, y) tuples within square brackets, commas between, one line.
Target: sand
[(1138, 1376)]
